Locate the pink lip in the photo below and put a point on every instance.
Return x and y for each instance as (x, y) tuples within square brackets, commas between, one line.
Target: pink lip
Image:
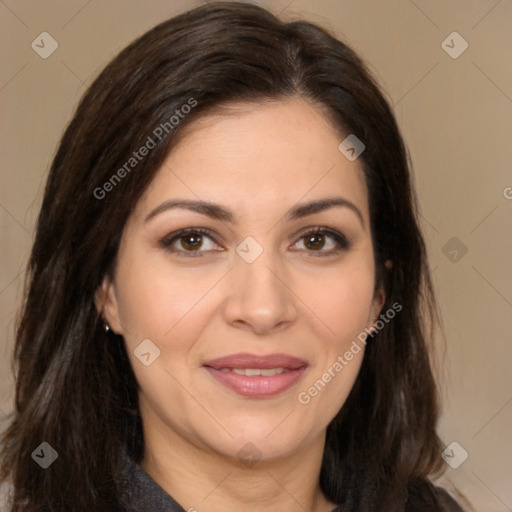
[(257, 386)]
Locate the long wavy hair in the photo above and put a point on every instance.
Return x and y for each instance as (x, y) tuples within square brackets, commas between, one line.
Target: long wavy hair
[(75, 388)]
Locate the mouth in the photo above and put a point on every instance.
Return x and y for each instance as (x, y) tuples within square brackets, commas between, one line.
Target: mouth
[(257, 376)]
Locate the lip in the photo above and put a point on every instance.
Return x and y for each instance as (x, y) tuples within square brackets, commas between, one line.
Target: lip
[(256, 386)]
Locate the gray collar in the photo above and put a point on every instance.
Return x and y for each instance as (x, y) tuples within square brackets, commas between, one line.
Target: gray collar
[(143, 494)]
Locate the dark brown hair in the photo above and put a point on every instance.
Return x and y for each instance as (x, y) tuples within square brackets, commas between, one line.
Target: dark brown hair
[(75, 388)]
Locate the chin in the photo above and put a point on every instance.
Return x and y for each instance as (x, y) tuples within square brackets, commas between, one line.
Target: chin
[(258, 439)]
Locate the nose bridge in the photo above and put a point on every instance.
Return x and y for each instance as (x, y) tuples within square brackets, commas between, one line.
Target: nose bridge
[(259, 297)]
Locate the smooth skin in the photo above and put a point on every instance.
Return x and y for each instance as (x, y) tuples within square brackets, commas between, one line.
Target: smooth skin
[(305, 296)]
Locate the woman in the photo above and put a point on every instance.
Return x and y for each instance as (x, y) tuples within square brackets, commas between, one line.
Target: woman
[(228, 295)]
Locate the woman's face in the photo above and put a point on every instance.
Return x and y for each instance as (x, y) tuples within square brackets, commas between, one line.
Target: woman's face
[(248, 313)]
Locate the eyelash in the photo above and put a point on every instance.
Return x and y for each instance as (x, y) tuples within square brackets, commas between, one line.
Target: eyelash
[(339, 239)]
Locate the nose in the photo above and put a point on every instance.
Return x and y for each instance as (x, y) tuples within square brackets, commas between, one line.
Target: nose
[(260, 299)]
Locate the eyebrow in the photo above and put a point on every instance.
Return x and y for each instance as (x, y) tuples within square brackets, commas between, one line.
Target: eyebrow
[(218, 212)]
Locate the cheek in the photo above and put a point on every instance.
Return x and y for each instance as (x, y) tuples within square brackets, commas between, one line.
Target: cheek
[(154, 298), (342, 300)]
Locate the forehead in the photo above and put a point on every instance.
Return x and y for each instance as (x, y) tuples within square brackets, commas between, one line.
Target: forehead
[(264, 155)]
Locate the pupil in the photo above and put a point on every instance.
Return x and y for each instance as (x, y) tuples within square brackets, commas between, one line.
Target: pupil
[(315, 241), (191, 241)]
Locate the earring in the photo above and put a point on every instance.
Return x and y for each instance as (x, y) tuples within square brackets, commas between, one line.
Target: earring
[(106, 327)]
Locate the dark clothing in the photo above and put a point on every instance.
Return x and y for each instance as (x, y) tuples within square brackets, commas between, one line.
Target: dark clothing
[(425, 497), (145, 495)]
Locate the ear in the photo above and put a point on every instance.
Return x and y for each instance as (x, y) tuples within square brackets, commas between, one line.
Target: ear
[(379, 298), (378, 301), (106, 303)]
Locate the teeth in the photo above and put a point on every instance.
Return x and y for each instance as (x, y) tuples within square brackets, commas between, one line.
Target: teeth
[(253, 372)]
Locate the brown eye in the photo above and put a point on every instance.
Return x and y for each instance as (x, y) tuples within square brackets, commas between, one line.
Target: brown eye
[(191, 242), (323, 241), (315, 241)]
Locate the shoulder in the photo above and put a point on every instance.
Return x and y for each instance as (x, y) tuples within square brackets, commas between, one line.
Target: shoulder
[(423, 496)]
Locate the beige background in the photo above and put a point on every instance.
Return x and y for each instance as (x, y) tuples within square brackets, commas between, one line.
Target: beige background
[(456, 117)]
